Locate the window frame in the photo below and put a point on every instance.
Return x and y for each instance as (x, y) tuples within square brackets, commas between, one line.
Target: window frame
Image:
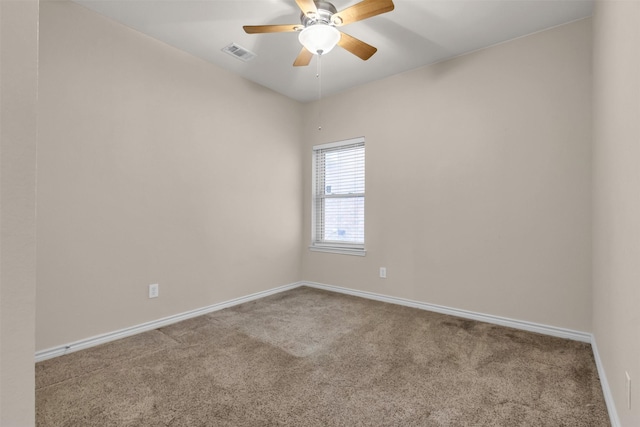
[(346, 248)]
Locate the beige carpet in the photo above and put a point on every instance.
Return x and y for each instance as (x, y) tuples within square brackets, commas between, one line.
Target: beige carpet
[(313, 358)]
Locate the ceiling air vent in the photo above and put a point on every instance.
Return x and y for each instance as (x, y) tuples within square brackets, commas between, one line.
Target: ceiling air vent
[(239, 52)]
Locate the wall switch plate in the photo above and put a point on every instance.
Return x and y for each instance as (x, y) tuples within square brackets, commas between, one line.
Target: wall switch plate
[(383, 272), (628, 377), (154, 291)]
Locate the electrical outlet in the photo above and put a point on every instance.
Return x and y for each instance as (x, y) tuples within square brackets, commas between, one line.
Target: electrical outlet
[(383, 272), (154, 291), (628, 389)]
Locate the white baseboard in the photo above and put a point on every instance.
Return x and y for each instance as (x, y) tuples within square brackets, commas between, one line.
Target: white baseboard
[(148, 326), (155, 324), (608, 396), (488, 318)]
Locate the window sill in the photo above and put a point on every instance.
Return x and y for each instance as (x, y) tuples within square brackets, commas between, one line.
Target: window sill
[(337, 250)]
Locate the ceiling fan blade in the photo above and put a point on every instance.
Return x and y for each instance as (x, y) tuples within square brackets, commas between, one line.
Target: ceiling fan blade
[(304, 58), (259, 29), (359, 48), (307, 6), (363, 10)]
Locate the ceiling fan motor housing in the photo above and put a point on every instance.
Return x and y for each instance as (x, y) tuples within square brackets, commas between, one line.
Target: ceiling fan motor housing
[(325, 11)]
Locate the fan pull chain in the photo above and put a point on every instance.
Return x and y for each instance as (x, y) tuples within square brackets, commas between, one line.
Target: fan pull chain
[(319, 77)]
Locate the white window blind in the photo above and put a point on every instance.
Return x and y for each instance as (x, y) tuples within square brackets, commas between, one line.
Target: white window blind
[(338, 203)]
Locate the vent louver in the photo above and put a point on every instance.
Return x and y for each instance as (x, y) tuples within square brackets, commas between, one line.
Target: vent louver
[(239, 52)]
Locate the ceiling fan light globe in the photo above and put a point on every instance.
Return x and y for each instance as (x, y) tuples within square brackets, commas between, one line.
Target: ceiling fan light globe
[(319, 39)]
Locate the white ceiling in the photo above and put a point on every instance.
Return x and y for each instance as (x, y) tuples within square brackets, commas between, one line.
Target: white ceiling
[(416, 33)]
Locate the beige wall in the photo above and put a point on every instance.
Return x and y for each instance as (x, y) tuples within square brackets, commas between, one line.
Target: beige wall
[(18, 95), (616, 201), (154, 167), (478, 181)]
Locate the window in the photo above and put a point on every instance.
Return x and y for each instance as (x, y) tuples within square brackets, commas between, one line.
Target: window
[(338, 197)]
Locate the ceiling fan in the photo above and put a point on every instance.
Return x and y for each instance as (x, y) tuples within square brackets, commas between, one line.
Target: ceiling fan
[(317, 28)]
